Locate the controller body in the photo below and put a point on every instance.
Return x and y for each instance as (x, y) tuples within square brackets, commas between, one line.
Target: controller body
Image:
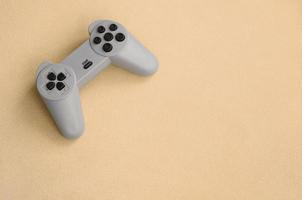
[(59, 84)]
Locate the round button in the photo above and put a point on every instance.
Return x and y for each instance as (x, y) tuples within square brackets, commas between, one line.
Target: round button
[(107, 47), (112, 27), (120, 37), (97, 40), (108, 36), (51, 76), (101, 29), (61, 76), (50, 85), (60, 85)]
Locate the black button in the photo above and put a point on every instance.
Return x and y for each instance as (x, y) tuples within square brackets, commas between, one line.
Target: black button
[(97, 40), (60, 85), (87, 64), (120, 37), (108, 36), (101, 29), (107, 47), (51, 76), (61, 77), (113, 27), (50, 85)]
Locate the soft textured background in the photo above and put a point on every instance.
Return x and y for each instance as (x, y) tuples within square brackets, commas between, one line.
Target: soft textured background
[(222, 118)]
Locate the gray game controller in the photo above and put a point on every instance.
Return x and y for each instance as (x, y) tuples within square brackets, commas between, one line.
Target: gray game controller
[(59, 84)]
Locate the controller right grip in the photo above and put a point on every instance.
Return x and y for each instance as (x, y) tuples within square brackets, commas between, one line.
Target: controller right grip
[(135, 58)]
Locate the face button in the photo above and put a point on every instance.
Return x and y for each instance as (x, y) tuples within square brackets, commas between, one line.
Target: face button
[(60, 85), (50, 85), (107, 47), (61, 77), (101, 29), (112, 27), (120, 37), (51, 76), (108, 36), (97, 40)]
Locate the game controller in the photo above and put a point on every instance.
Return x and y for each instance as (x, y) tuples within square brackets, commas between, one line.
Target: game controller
[(59, 84)]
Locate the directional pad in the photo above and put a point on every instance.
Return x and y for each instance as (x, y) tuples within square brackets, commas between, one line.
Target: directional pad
[(60, 85), (63, 84), (50, 85), (55, 80), (51, 76), (61, 77)]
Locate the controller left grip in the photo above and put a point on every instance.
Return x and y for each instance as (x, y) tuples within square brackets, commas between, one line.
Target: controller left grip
[(67, 114), (136, 58)]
